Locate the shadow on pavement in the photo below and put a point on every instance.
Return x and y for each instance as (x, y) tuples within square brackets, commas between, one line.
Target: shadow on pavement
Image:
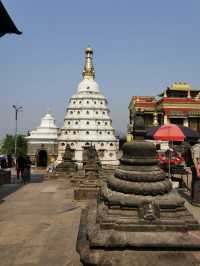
[(7, 189), (185, 194)]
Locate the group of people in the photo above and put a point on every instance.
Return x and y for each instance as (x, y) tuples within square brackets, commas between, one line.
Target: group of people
[(187, 153), (23, 168), (6, 162), (191, 154)]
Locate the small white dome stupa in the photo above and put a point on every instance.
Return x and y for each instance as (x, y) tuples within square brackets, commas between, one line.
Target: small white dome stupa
[(47, 129)]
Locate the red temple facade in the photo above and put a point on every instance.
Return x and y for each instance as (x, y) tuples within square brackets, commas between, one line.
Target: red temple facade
[(178, 104)]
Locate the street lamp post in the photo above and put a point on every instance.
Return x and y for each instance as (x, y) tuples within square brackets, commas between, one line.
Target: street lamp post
[(17, 109)]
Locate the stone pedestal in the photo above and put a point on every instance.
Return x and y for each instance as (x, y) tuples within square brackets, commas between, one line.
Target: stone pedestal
[(89, 186), (5, 176), (138, 219), (67, 168)]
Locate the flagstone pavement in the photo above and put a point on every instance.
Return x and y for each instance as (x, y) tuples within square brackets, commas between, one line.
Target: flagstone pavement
[(39, 223)]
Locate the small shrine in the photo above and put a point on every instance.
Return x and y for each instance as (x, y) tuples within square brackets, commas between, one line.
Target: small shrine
[(91, 162), (67, 166), (89, 186), (67, 163)]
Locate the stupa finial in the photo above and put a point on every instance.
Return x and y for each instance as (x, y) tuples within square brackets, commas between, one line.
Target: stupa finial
[(88, 71), (49, 110)]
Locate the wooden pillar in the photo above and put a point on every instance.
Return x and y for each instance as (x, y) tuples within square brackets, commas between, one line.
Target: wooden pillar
[(186, 122), (165, 120)]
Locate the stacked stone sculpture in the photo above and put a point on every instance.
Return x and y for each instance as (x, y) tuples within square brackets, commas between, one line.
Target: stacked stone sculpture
[(89, 185), (67, 166), (138, 219)]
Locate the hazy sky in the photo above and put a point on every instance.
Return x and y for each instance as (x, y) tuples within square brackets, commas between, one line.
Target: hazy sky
[(140, 47)]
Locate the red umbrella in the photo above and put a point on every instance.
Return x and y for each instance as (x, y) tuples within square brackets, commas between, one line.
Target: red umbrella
[(169, 132)]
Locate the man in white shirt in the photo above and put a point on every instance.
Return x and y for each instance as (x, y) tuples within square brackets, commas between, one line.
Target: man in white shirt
[(195, 194)]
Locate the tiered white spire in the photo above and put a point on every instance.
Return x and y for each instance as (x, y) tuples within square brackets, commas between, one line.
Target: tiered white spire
[(87, 119)]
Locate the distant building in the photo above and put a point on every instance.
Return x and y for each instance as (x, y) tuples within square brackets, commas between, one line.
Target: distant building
[(42, 142), (178, 104), (87, 120)]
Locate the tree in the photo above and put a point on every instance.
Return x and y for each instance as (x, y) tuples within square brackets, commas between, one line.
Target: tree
[(21, 145), (8, 145)]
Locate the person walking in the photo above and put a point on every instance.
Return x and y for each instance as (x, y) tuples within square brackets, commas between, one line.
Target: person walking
[(9, 161), (195, 193), (20, 164), (27, 170)]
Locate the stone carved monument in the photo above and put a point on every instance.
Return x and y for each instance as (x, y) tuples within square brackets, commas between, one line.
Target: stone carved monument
[(67, 166), (138, 219), (89, 186), (91, 163)]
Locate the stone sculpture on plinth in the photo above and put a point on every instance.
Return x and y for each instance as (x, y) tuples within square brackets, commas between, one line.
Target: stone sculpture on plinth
[(88, 187), (67, 167), (138, 219), (91, 163)]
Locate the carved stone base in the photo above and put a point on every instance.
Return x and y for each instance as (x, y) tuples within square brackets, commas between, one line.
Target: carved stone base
[(87, 190), (100, 247), (62, 175)]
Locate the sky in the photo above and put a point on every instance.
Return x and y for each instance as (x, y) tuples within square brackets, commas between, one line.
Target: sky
[(140, 48)]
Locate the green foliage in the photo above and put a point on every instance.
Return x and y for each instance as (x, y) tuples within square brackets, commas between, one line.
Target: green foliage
[(8, 145), (21, 145)]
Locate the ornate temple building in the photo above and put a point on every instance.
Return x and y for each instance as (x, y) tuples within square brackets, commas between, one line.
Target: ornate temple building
[(87, 120), (178, 104), (42, 142)]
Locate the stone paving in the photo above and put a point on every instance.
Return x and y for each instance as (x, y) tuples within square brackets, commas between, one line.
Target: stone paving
[(39, 223)]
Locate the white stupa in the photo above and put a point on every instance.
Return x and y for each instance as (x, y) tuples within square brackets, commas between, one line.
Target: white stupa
[(47, 130), (42, 142), (87, 120)]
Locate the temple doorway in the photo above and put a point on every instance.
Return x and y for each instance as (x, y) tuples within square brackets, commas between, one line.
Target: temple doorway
[(42, 158)]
